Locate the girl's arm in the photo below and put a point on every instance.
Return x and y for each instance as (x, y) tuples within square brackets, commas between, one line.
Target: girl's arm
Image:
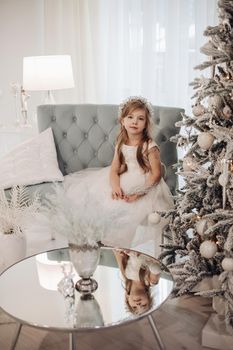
[(119, 255), (115, 177), (156, 168)]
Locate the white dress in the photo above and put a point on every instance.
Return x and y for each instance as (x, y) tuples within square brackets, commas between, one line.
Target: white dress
[(135, 263), (122, 218)]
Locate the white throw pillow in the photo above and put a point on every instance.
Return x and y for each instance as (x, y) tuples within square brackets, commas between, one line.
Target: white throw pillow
[(32, 162)]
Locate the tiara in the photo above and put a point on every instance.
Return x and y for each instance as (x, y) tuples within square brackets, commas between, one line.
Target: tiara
[(136, 98)]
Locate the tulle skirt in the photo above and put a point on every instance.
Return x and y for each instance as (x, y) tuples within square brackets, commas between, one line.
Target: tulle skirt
[(124, 221)]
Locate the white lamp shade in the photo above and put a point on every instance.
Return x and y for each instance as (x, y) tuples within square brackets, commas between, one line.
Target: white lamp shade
[(47, 72)]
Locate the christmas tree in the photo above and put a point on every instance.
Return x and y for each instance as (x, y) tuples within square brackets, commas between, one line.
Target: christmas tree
[(202, 220)]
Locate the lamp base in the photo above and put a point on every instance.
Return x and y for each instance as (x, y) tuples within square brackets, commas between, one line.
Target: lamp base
[(49, 98)]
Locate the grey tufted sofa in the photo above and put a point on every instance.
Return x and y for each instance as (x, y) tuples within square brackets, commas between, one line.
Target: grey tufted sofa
[(85, 135)]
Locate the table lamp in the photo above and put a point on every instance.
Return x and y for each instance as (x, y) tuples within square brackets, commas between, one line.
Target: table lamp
[(46, 73)]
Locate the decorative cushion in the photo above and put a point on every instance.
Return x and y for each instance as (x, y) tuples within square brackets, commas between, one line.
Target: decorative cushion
[(32, 162)]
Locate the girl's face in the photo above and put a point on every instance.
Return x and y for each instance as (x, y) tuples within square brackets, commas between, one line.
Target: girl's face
[(139, 301), (135, 122)]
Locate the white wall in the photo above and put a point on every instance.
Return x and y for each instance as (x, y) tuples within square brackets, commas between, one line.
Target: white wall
[(21, 34)]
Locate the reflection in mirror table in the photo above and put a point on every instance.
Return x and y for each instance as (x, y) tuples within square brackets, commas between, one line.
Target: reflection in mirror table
[(40, 291)]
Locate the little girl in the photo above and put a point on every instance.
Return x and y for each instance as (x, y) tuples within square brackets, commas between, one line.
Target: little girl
[(132, 187), (139, 274)]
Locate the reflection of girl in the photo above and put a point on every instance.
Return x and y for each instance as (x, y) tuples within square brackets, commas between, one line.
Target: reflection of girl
[(139, 274)]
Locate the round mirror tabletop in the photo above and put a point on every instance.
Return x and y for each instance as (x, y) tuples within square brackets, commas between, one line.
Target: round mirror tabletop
[(41, 290)]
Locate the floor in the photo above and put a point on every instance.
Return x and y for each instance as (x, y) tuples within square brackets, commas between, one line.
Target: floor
[(180, 321)]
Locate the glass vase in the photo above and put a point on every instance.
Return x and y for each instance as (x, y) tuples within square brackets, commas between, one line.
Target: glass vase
[(85, 260)]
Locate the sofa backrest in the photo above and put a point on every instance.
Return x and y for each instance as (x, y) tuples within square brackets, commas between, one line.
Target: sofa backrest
[(85, 135)]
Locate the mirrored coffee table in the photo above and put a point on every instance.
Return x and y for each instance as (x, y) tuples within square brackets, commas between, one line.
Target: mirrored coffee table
[(40, 291)]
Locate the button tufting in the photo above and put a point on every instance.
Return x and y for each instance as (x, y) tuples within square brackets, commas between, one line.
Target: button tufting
[(53, 118), (74, 119), (85, 136), (95, 120), (65, 135), (75, 150), (106, 137), (95, 154), (163, 138)]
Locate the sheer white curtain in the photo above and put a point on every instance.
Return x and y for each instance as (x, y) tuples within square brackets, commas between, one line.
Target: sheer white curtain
[(129, 47)]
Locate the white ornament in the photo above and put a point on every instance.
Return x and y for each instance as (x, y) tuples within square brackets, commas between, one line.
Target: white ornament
[(223, 180), (208, 249), (205, 140), (201, 226), (198, 110), (227, 264), (227, 112), (215, 101), (154, 218)]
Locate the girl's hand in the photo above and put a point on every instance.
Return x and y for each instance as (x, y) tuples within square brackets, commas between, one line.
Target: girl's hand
[(117, 193), (131, 198)]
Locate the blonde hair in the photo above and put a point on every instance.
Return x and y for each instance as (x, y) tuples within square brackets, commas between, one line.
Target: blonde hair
[(122, 138), (143, 276)]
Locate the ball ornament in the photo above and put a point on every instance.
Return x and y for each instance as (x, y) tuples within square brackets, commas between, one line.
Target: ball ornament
[(205, 140), (154, 218), (227, 264), (215, 101), (198, 110), (227, 112), (223, 180), (208, 249), (201, 226)]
